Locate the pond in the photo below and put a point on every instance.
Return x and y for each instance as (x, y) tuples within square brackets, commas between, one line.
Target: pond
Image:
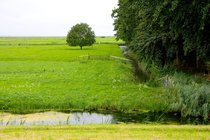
[(55, 118), (60, 118)]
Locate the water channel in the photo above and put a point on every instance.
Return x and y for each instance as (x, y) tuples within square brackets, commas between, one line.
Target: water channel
[(60, 118)]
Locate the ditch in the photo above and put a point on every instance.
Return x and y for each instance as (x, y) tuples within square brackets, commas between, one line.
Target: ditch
[(66, 118)]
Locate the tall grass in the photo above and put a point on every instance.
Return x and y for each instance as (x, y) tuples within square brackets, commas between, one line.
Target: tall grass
[(190, 96), (187, 94)]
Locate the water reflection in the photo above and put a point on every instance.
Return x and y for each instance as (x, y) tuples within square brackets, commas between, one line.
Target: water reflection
[(55, 118), (91, 118), (59, 118)]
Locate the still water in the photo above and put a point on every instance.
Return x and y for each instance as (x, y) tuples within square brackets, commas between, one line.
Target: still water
[(56, 118)]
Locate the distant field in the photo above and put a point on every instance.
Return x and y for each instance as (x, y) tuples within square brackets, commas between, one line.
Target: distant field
[(50, 40), (101, 132), (108, 40), (32, 40), (55, 52)]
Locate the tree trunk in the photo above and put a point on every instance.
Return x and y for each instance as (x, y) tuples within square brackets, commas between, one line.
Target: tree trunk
[(80, 47), (179, 52)]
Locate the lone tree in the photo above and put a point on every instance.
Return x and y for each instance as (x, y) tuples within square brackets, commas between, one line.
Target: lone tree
[(81, 35)]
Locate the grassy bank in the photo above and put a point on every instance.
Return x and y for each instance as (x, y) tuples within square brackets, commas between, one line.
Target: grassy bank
[(146, 132), (44, 77)]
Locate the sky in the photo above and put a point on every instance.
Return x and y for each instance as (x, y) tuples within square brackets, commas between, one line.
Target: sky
[(55, 17)]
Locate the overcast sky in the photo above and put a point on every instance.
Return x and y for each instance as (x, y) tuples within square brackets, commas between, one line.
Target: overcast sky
[(54, 17)]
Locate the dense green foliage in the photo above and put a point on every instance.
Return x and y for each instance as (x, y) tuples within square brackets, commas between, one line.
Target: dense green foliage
[(80, 35), (165, 30), (170, 32)]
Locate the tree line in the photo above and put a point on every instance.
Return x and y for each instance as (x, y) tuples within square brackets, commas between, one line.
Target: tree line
[(165, 32)]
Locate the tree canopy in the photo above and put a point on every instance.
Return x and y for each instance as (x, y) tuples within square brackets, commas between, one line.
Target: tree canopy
[(165, 31), (80, 35)]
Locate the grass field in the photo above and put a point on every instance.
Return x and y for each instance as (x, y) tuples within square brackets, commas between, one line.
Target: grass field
[(44, 77), (50, 40), (54, 52), (102, 132)]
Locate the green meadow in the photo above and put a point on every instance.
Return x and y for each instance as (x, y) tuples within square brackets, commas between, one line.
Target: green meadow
[(106, 132), (39, 74), (45, 76)]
